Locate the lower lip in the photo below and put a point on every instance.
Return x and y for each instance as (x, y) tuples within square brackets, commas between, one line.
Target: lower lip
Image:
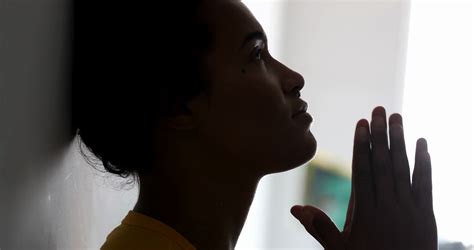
[(304, 117)]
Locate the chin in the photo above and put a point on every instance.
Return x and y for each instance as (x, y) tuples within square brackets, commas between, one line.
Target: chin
[(298, 156)]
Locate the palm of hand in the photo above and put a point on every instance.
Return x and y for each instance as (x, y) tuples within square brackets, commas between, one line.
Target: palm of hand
[(385, 211)]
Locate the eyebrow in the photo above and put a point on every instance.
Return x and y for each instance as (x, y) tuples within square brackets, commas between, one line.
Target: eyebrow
[(256, 35)]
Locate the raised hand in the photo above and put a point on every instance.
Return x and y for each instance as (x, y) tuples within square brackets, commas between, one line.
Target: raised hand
[(386, 211)]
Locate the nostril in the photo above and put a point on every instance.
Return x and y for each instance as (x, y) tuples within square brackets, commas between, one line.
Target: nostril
[(296, 91)]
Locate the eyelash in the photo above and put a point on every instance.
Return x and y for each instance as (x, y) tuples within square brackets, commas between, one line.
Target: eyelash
[(257, 53)]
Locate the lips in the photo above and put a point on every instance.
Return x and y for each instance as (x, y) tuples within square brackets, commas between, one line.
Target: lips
[(301, 108), (299, 113)]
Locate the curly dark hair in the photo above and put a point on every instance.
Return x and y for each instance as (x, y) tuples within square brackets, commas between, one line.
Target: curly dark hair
[(131, 64)]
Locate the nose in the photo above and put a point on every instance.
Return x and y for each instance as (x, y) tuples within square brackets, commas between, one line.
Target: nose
[(292, 81)]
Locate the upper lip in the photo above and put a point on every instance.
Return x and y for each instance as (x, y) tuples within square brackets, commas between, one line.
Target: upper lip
[(300, 108)]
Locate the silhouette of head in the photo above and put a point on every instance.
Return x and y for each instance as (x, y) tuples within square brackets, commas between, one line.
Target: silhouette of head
[(146, 79)]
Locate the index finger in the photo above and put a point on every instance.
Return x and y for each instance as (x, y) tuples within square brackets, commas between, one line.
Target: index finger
[(362, 174)]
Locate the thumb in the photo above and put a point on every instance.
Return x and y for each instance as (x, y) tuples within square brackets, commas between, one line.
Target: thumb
[(320, 226)]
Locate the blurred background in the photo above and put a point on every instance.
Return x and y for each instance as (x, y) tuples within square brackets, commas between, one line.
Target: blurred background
[(412, 57)]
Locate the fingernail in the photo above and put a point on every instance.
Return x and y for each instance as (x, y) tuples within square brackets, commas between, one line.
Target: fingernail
[(379, 122), (397, 130), (362, 132), (421, 145), (307, 215)]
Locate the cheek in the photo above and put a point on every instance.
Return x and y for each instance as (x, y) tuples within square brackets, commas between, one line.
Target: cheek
[(245, 111), (251, 119)]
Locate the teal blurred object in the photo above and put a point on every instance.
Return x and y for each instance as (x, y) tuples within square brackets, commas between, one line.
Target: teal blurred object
[(328, 188)]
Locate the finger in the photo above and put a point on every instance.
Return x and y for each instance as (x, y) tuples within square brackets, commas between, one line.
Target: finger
[(320, 226), (381, 159), (401, 169), (305, 220), (349, 214), (362, 176), (422, 180)]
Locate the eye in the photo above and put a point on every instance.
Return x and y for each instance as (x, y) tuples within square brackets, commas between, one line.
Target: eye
[(257, 53)]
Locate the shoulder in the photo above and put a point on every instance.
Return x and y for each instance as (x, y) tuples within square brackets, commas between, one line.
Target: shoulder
[(138, 231), (130, 237)]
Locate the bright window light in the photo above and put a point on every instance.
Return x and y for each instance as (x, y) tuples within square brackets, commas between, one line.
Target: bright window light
[(438, 106)]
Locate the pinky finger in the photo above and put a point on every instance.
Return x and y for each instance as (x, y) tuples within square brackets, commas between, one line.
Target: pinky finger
[(422, 181)]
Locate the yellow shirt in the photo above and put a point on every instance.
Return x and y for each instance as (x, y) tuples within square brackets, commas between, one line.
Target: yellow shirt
[(142, 232)]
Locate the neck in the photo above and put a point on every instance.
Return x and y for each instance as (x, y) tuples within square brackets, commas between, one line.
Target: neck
[(208, 210)]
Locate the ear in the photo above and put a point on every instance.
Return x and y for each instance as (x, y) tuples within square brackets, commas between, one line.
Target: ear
[(181, 122), (188, 115)]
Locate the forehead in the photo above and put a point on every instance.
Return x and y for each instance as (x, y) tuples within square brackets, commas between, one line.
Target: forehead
[(231, 21)]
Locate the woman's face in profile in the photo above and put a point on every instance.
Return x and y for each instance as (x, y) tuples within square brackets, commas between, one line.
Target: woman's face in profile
[(253, 96)]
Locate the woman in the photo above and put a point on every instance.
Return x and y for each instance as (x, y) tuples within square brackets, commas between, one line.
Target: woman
[(186, 99)]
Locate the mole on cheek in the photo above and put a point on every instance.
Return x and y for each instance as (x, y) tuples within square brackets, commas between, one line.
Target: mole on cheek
[(243, 71)]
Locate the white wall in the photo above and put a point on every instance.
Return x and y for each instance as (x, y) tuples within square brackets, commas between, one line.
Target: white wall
[(438, 106), (49, 198)]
